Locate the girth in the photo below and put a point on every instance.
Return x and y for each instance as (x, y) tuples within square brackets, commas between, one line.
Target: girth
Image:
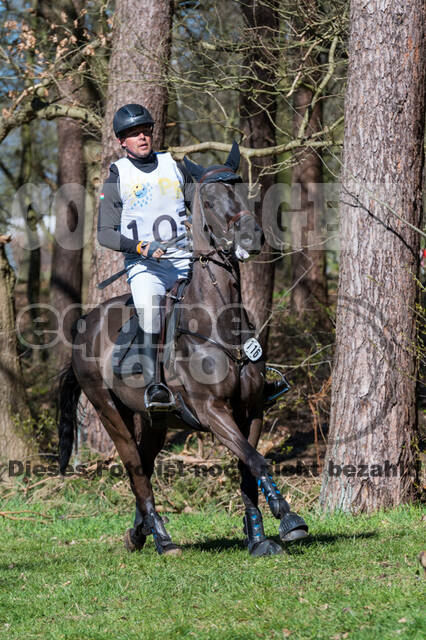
[(240, 360)]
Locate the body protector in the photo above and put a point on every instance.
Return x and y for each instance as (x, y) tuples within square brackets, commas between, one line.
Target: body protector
[(153, 203)]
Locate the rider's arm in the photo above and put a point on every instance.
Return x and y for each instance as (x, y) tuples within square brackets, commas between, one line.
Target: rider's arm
[(110, 209)]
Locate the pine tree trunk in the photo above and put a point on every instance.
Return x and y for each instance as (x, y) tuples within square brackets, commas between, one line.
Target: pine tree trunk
[(308, 261), (257, 114), (13, 404), (34, 266), (140, 54), (65, 18), (66, 274), (373, 413)]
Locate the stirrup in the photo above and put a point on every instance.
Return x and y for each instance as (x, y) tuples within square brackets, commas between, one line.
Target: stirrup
[(274, 390), (170, 405)]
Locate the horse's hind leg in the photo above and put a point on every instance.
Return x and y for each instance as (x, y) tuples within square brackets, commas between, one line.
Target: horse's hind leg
[(148, 520), (118, 421)]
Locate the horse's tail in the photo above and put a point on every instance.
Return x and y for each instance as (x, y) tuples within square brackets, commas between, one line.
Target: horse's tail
[(69, 393)]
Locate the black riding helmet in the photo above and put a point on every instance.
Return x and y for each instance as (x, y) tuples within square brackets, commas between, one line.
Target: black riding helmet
[(130, 116)]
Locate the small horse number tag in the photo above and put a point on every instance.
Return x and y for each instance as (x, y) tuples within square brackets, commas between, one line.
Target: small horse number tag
[(252, 349)]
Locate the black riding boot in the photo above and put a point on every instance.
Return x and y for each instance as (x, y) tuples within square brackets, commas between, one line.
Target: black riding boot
[(157, 395), (135, 353)]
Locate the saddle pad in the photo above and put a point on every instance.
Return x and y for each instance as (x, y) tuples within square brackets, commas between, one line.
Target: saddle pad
[(123, 360)]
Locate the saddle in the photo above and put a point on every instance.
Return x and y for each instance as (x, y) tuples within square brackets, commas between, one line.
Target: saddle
[(126, 358)]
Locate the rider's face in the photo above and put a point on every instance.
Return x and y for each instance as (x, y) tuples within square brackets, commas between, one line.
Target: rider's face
[(138, 140)]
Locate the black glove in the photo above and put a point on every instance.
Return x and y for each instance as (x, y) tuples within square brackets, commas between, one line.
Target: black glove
[(153, 246)]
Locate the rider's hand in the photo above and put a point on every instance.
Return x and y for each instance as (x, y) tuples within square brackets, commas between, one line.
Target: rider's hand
[(144, 249)]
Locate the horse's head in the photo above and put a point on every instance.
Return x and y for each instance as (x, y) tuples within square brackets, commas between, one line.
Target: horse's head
[(221, 203)]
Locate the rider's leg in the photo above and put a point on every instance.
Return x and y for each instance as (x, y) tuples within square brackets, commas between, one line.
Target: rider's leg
[(147, 289), (149, 283)]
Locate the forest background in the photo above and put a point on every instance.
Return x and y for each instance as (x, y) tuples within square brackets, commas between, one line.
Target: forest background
[(273, 75)]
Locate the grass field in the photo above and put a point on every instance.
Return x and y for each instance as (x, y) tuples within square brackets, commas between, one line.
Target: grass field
[(64, 574)]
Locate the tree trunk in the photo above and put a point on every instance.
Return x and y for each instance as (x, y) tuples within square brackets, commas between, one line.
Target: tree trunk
[(66, 274), (257, 114), (140, 54), (30, 215), (308, 263), (373, 412), (13, 403), (66, 266)]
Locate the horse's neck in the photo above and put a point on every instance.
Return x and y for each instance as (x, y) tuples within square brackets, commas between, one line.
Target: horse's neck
[(217, 308), (216, 270)]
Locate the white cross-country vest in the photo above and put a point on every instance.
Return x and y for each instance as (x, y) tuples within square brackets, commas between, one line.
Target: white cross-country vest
[(153, 203)]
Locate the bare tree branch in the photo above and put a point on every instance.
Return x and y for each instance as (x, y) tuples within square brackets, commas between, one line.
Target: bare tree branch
[(249, 153), (30, 112)]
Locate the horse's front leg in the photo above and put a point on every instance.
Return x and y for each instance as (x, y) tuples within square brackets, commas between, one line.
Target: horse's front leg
[(292, 526), (219, 418), (252, 466), (258, 544)]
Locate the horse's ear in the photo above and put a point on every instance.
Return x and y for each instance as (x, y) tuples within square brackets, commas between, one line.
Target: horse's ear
[(195, 170), (233, 160)]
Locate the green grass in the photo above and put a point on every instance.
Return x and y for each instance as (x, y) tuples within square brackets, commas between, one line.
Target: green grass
[(71, 578)]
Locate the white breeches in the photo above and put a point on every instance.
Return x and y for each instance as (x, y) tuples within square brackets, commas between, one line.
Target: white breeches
[(149, 280)]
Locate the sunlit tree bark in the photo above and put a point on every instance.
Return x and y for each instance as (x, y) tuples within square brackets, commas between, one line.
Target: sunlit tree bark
[(13, 403), (309, 292), (140, 54), (257, 112), (373, 412)]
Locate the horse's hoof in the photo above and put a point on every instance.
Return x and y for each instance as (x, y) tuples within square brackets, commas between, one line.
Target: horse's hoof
[(292, 527), (172, 550), (133, 543), (265, 548)]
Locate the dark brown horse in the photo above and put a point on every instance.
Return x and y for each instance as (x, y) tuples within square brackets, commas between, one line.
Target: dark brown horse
[(208, 371)]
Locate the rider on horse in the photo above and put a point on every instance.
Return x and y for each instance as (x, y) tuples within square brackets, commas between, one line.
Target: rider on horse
[(144, 203)]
